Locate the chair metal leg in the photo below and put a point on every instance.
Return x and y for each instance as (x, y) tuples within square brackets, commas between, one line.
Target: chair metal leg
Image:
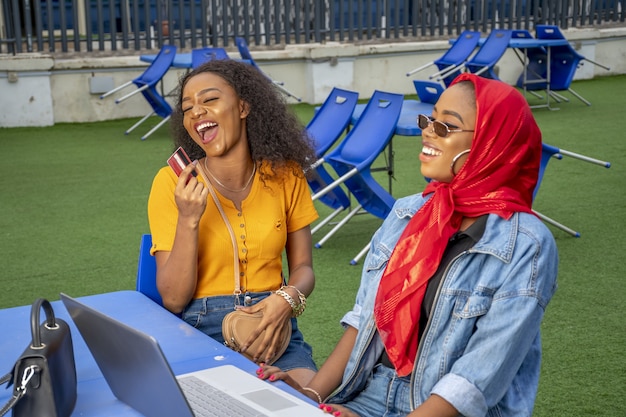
[(116, 89), (338, 226), (557, 224), (132, 93), (579, 97), (558, 97), (130, 129), (326, 220), (356, 259), (165, 119), (288, 93), (334, 184)]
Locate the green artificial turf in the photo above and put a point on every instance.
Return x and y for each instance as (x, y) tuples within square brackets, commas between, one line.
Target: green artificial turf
[(73, 207)]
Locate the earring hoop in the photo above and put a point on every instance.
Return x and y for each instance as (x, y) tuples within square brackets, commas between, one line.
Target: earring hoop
[(456, 158)]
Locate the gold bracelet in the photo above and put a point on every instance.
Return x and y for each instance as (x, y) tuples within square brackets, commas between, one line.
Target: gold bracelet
[(317, 394), (289, 299), (301, 298)]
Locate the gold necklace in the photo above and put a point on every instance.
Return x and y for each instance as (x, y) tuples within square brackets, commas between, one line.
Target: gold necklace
[(225, 187)]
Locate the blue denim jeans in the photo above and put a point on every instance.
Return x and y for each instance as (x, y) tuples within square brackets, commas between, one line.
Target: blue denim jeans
[(206, 314), (385, 395)]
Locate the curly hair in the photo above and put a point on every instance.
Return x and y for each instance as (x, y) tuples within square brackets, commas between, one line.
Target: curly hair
[(275, 135)]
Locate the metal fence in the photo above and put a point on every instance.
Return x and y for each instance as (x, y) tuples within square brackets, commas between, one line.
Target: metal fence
[(61, 26)]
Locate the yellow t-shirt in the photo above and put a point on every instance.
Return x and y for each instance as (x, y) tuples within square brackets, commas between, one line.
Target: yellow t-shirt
[(271, 211)]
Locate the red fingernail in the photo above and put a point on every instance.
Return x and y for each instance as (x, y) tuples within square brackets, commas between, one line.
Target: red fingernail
[(337, 413), (273, 377), (321, 406), (328, 408)]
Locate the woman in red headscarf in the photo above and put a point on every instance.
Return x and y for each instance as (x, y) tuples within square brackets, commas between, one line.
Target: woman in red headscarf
[(454, 288)]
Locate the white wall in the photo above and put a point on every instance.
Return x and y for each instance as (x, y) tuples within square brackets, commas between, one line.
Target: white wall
[(37, 90)]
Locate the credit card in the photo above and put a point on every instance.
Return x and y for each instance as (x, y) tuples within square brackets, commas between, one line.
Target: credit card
[(179, 160)]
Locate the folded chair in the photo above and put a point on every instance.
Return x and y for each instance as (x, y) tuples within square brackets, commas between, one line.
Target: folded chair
[(563, 64), (428, 91), (201, 55), (146, 271), (484, 61), (547, 153), (147, 85), (453, 57), (353, 157), (326, 127), (244, 51)]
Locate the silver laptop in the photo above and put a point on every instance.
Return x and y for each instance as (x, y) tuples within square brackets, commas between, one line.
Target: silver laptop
[(138, 374)]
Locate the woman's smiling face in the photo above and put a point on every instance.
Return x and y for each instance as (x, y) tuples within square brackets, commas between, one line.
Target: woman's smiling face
[(457, 109), (213, 114)]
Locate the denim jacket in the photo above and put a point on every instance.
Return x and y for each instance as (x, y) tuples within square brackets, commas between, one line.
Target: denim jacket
[(481, 349)]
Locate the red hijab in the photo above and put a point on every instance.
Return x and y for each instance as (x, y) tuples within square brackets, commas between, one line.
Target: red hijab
[(498, 177)]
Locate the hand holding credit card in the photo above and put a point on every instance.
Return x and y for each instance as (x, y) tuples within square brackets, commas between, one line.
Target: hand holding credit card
[(179, 160)]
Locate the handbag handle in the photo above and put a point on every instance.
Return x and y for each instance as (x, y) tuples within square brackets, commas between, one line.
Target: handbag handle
[(35, 323)]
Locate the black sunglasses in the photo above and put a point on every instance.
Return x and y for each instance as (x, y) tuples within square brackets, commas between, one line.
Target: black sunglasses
[(441, 129)]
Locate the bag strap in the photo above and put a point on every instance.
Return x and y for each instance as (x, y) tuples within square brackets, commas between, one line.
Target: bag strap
[(20, 391), (237, 290)]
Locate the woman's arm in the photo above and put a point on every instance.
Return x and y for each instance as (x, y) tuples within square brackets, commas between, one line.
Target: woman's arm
[(435, 406), (177, 270), (300, 262), (330, 375)]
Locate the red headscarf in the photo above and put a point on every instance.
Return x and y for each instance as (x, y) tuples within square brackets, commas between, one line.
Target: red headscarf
[(498, 177)]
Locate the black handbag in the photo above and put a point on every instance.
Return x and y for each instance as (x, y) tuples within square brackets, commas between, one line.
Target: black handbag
[(44, 376)]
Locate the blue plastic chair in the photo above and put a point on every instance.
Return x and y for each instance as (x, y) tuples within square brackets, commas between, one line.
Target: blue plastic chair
[(146, 271), (547, 153), (244, 51), (428, 91), (201, 55), (326, 127), (456, 55), (484, 61), (147, 85), (353, 157), (563, 64)]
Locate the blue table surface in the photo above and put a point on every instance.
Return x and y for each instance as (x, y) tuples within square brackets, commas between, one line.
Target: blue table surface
[(407, 123), (181, 60), (186, 348)]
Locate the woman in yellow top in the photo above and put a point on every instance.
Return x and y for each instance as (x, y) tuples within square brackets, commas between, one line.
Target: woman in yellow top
[(245, 142)]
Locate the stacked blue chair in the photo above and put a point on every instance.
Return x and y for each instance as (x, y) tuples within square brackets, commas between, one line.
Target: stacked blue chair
[(563, 64), (448, 65), (244, 51), (353, 157), (326, 127), (484, 61), (147, 85)]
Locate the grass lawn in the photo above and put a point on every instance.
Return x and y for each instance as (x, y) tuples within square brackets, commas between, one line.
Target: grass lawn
[(73, 207)]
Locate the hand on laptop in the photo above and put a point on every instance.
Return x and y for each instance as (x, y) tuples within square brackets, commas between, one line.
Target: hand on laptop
[(273, 374)]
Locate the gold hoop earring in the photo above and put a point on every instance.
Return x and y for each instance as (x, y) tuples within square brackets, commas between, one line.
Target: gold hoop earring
[(456, 158)]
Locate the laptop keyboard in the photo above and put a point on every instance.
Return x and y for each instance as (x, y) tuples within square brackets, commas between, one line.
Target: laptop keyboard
[(207, 401)]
